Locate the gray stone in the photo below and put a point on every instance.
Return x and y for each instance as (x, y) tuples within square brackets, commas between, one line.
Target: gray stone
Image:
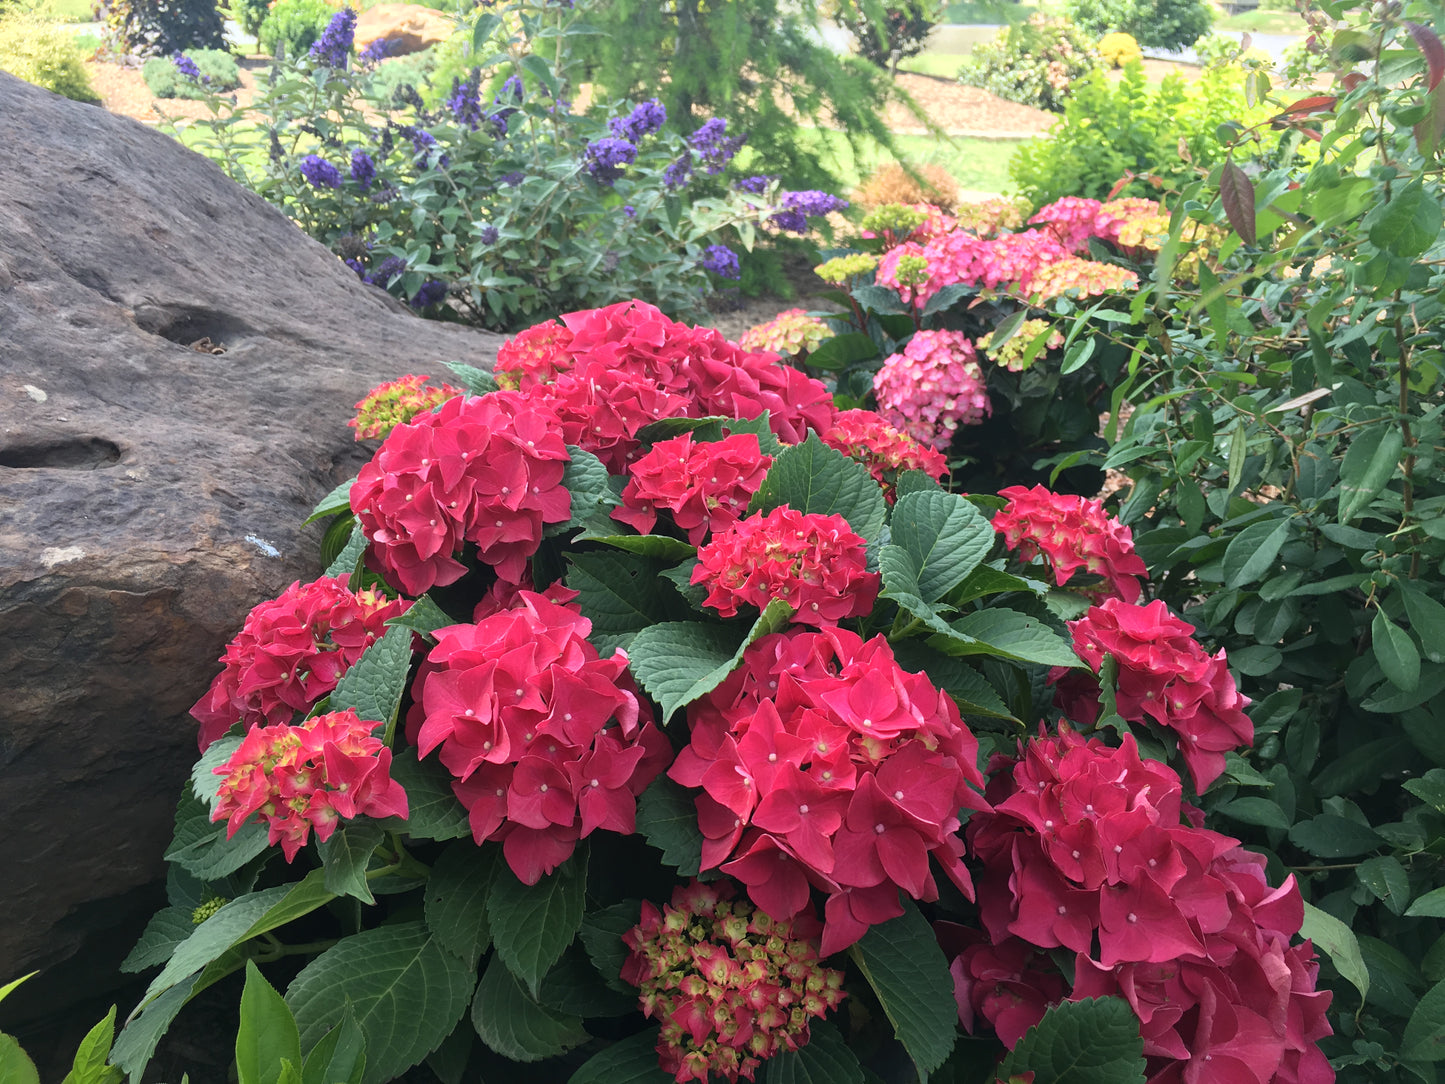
[(151, 493)]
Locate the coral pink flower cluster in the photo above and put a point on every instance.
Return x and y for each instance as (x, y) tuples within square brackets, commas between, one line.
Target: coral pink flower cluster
[(1164, 675), (886, 452), (1074, 533), (1090, 848), (546, 741), (296, 778), (704, 485), (730, 986), (630, 365), (815, 563), (486, 470), (824, 764), (290, 652), (537, 355), (388, 405), (932, 387)]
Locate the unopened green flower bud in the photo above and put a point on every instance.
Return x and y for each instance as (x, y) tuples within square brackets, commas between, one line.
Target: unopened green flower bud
[(207, 909)]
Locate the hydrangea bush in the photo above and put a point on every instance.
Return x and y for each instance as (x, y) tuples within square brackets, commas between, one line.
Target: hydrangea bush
[(658, 720), (500, 204)]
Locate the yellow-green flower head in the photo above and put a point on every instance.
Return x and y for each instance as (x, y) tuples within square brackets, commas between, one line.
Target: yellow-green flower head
[(843, 268)]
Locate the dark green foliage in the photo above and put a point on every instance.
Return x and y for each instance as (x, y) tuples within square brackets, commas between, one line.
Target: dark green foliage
[(755, 64), (293, 26), (1033, 63), (1155, 24), (879, 30), (1111, 127), (218, 70), (162, 27)]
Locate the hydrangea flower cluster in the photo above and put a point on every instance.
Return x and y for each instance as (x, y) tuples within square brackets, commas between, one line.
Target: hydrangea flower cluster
[(961, 257), (1089, 848), (1006, 985), (704, 485), (290, 652), (822, 763), (1164, 675), (789, 334), (395, 403), (631, 365), (313, 775), (546, 740), (865, 436), (486, 469), (730, 986), (1082, 278), (842, 268), (333, 48), (1073, 533), (1011, 354), (1072, 219), (989, 217), (932, 387), (815, 563), (895, 223)]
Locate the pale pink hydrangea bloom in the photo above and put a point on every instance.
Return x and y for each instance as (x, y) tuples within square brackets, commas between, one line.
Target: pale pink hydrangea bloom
[(932, 387)]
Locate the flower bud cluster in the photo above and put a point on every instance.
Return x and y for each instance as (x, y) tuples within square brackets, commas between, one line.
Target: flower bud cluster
[(395, 403), (296, 778), (1164, 675), (1011, 354), (485, 469), (546, 740), (823, 764), (730, 985), (790, 334), (813, 562), (290, 652), (1073, 533), (705, 486), (842, 268), (865, 436), (932, 387)]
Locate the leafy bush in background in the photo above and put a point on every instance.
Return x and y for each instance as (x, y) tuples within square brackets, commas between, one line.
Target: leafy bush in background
[(218, 69), (161, 27), (248, 14), (1114, 129), (1155, 24), (292, 26), (1033, 63), (41, 52), (880, 30)]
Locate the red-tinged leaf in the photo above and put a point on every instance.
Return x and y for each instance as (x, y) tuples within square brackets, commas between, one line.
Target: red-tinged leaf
[(1428, 42), (1119, 186), (1319, 103), (1238, 196), (1313, 133), (1351, 80)]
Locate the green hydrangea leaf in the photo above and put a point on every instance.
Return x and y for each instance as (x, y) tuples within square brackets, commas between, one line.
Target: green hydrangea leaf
[(1094, 1041), (456, 899), (813, 478), (901, 960), (1339, 943), (405, 990), (267, 1036), (424, 616), (946, 537), (374, 684), (602, 932), (514, 1025), (433, 811), (632, 1060), (532, 925), (475, 381), (825, 1059), (620, 592), (334, 503), (347, 561), (345, 857), (667, 819), (1007, 633)]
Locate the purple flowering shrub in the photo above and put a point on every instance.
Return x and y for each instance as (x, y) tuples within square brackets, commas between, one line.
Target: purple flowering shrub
[(489, 200)]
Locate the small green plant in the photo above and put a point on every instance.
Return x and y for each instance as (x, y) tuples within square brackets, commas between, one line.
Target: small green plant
[(885, 33), (44, 53), (1156, 24), (91, 1065), (161, 27), (293, 26), (1124, 130), (218, 73), (1033, 63)]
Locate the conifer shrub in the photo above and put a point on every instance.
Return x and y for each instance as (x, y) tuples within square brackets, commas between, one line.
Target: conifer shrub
[(161, 27)]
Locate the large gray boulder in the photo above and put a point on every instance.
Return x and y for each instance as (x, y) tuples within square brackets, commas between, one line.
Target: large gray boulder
[(151, 492)]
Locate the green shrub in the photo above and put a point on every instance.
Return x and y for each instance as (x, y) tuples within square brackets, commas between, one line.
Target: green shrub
[(1113, 128), (45, 54), (1155, 24), (879, 30), (1033, 63), (294, 26), (163, 27), (218, 73)]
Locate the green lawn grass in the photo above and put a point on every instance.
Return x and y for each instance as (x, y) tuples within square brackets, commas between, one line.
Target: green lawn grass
[(945, 65), (1263, 22), (987, 12), (977, 164)]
